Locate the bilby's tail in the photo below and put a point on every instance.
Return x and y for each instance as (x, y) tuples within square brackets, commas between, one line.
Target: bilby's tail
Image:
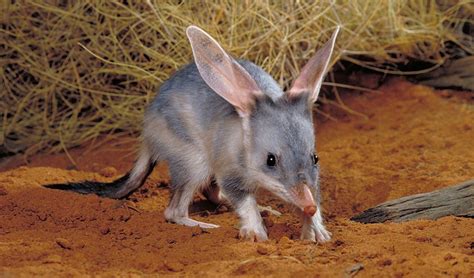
[(116, 189)]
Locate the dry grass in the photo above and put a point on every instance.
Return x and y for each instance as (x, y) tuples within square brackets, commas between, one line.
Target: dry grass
[(72, 70)]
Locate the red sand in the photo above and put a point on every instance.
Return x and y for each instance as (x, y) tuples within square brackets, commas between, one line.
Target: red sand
[(414, 140)]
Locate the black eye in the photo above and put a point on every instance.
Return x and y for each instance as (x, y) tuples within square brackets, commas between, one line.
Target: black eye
[(271, 160), (315, 159)]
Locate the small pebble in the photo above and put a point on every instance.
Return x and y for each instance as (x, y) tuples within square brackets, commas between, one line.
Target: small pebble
[(104, 230), (174, 266), (385, 262), (338, 242), (196, 230), (284, 240), (263, 250), (352, 271), (448, 257), (64, 243), (42, 216)]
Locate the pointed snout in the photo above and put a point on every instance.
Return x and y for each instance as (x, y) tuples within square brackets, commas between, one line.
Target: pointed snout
[(303, 199)]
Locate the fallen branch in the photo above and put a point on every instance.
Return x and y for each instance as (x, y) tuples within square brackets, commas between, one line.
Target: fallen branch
[(457, 200)]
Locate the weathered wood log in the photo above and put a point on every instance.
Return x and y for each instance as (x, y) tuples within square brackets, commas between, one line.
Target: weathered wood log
[(457, 200)]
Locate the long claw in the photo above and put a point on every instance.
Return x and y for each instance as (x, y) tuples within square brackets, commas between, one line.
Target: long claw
[(269, 209), (192, 223)]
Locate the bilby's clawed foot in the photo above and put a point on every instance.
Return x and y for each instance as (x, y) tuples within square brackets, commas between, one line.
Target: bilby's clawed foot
[(251, 222), (323, 235), (314, 230), (181, 217), (253, 233), (320, 234)]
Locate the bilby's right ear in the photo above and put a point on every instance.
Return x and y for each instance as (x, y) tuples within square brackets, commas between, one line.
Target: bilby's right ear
[(222, 73), (311, 77)]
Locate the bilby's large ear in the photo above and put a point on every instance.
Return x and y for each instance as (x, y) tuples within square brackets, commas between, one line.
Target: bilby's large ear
[(222, 73), (312, 75)]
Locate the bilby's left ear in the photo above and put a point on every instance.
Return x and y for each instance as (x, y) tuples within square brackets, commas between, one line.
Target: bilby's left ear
[(222, 73), (312, 75)]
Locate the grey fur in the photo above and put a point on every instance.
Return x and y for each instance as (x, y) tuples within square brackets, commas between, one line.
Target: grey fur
[(210, 130), (203, 137)]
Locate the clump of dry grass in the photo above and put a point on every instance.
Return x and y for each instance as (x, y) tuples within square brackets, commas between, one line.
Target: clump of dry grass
[(72, 70)]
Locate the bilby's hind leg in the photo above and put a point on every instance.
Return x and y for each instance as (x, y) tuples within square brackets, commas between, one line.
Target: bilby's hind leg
[(185, 181), (176, 137)]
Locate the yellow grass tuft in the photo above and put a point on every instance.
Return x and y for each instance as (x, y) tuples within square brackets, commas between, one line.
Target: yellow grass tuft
[(73, 70)]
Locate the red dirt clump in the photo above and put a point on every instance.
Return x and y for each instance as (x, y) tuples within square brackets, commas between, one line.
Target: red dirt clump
[(413, 140)]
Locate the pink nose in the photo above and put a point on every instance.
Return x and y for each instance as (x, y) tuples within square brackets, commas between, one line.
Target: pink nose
[(304, 199)]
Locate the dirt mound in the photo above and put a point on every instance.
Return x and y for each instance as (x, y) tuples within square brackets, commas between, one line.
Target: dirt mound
[(413, 140)]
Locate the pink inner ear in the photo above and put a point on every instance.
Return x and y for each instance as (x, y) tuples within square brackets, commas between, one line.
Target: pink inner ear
[(308, 78), (221, 72), (312, 74)]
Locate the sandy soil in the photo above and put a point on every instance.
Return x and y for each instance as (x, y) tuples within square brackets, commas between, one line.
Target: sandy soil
[(412, 140)]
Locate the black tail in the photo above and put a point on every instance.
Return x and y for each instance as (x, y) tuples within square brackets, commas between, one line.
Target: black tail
[(116, 189), (104, 189)]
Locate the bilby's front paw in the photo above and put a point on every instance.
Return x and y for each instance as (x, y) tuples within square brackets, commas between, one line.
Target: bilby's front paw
[(253, 233), (314, 230), (251, 222), (313, 233), (322, 235)]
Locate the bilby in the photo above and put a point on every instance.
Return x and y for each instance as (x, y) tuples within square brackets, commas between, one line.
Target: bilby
[(227, 120)]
